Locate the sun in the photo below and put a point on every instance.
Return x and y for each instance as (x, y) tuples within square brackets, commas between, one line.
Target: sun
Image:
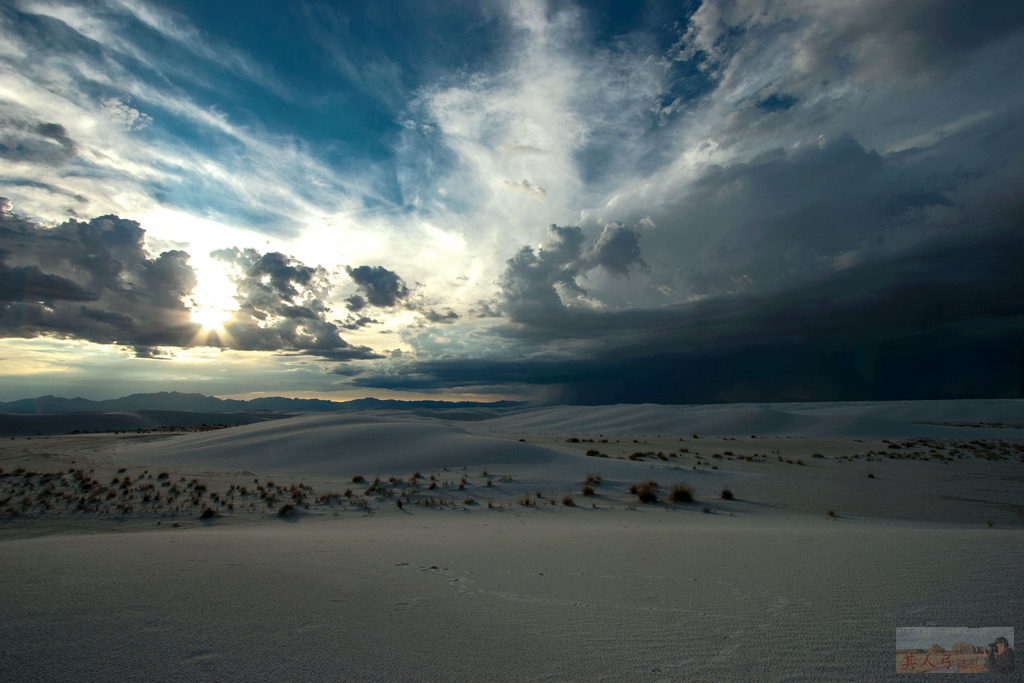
[(212, 301), (211, 318)]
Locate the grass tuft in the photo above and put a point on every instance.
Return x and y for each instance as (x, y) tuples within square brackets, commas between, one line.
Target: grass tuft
[(646, 491), (682, 493)]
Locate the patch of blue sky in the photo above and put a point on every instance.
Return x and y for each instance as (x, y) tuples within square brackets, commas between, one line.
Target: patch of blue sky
[(204, 197), (334, 42)]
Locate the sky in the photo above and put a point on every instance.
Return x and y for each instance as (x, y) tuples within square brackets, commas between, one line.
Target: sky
[(599, 202)]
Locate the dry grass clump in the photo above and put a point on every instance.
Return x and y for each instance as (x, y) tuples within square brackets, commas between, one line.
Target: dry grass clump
[(726, 494), (568, 501), (682, 493), (646, 491)]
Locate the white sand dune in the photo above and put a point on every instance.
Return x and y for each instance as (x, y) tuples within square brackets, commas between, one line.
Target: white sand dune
[(342, 444), (875, 419), (762, 587)]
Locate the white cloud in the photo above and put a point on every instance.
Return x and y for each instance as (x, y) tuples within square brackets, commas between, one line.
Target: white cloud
[(131, 118), (525, 187)]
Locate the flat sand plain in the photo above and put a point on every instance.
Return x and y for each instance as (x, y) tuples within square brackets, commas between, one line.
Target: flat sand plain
[(846, 522)]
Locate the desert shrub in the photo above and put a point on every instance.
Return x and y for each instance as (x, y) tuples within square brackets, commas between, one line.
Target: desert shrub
[(358, 479), (594, 479), (568, 501), (646, 491), (285, 509), (587, 490), (208, 513), (726, 494), (682, 493), (831, 513)]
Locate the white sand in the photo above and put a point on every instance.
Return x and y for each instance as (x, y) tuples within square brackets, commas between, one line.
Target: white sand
[(766, 588)]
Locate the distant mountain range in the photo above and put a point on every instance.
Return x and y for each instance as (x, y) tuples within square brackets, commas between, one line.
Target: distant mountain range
[(209, 404)]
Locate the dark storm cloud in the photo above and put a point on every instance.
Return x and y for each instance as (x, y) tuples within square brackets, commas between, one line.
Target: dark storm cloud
[(281, 307), (29, 283), (617, 250), (942, 322), (528, 283), (133, 298), (352, 322), (789, 215), (854, 40), (35, 142), (355, 303), (446, 318), (152, 353), (531, 283), (381, 287), (927, 33)]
